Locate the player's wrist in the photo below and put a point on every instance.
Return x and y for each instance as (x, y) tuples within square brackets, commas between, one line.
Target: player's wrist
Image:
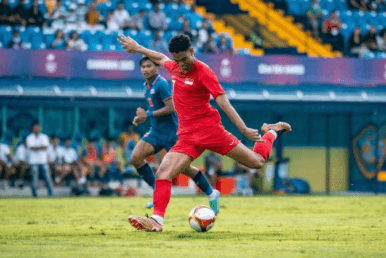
[(150, 113)]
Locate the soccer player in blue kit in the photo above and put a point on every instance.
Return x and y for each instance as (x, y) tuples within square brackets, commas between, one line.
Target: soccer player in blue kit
[(163, 131)]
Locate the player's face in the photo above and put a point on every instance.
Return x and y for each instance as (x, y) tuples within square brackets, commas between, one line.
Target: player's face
[(185, 60), (148, 69), (36, 129)]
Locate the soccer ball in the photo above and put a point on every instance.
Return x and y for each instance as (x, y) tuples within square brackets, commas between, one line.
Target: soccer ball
[(202, 218)]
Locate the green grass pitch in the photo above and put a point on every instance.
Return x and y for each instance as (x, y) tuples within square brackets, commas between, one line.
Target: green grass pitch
[(265, 226)]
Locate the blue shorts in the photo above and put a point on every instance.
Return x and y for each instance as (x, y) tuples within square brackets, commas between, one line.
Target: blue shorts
[(160, 142)]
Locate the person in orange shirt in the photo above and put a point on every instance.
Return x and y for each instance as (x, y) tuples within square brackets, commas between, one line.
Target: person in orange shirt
[(92, 15), (108, 158), (91, 159)]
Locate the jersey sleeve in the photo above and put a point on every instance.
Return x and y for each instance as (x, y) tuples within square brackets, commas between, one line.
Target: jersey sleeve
[(210, 81), (170, 65), (165, 90)]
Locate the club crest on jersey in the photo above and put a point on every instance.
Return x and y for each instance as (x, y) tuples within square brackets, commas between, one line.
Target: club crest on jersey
[(189, 81), (152, 91)]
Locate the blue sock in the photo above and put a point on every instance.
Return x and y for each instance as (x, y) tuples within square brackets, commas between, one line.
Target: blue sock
[(147, 174), (203, 183)]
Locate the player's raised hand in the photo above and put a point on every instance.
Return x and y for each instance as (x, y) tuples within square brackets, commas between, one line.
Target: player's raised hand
[(128, 44), (141, 113), (252, 135)]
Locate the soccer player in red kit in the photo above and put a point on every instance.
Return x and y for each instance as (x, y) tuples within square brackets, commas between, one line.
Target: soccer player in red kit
[(200, 125)]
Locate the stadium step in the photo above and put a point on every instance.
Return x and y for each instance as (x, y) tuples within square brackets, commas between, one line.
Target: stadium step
[(285, 28), (244, 24), (239, 41)]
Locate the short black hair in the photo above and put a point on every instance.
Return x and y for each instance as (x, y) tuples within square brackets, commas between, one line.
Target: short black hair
[(35, 123), (142, 10), (145, 58), (179, 43), (67, 139)]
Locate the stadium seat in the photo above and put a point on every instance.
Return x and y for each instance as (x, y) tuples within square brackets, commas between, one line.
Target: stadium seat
[(145, 37), (294, 7), (48, 39)]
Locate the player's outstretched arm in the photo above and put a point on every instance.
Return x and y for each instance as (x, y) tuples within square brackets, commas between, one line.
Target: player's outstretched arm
[(131, 46), (225, 105)]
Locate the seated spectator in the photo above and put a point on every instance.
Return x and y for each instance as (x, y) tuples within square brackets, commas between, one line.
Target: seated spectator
[(58, 16), (55, 159), (244, 180), (331, 31), (72, 164), (314, 13), (203, 33), (6, 162), (111, 23), (213, 167), (356, 41), (136, 22), (158, 43), (209, 46), (187, 30), (223, 46), (374, 5), (157, 19), (381, 41), (21, 14), (16, 42), (76, 43), (6, 16), (72, 18), (128, 136), (358, 4), (92, 15), (121, 16), (91, 161), (59, 41), (109, 158), (35, 15), (371, 39), (81, 11), (21, 162)]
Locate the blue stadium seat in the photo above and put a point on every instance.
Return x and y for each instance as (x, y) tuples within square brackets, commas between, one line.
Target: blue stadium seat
[(133, 8), (48, 39), (37, 40), (171, 10), (175, 25), (24, 36), (294, 7), (145, 37), (169, 34), (371, 18), (341, 5)]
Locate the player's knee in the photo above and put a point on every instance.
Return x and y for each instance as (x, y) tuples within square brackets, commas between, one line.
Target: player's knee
[(136, 160)]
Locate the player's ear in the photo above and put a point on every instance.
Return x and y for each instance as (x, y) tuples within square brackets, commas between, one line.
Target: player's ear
[(191, 51)]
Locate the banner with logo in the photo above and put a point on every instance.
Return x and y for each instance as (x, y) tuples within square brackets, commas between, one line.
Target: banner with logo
[(233, 69)]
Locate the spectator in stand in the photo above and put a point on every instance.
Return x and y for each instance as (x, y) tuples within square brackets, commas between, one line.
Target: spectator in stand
[(374, 5), (187, 30), (209, 46), (158, 43), (314, 13), (21, 13), (91, 161), (76, 43), (111, 23), (381, 41), (203, 32), (35, 15), (358, 4), (371, 39), (6, 162), (224, 47), (128, 137), (157, 18), (136, 22), (6, 17), (72, 164), (81, 11), (109, 158), (16, 42), (213, 167), (59, 41), (58, 15), (55, 160), (21, 162), (121, 16), (331, 31), (92, 15), (356, 43), (37, 144), (71, 19)]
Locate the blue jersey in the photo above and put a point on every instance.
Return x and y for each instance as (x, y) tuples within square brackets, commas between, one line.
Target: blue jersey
[(156, 93)]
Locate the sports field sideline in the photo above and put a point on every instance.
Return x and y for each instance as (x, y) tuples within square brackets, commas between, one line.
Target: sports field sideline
[(276, 226)]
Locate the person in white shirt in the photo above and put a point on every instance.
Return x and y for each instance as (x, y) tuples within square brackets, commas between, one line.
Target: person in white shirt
[(72, 164), (121, 16), (55, 159), (21, 162), (5, 164), (37, 144)]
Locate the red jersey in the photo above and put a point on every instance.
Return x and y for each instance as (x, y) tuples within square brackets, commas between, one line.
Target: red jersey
[(191, 95)]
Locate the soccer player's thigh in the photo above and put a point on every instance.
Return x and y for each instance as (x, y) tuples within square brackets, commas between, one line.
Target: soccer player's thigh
[(241, 154), (141, 151), (172, 164)]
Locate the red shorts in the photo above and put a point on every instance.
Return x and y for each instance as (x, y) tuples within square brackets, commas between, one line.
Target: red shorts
[(214, 138)]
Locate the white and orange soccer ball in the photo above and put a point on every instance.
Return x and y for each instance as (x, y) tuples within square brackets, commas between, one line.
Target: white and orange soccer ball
[(202, 218)]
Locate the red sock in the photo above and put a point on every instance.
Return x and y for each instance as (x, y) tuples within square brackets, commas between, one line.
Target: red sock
[(264, 148), (161, 196)]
